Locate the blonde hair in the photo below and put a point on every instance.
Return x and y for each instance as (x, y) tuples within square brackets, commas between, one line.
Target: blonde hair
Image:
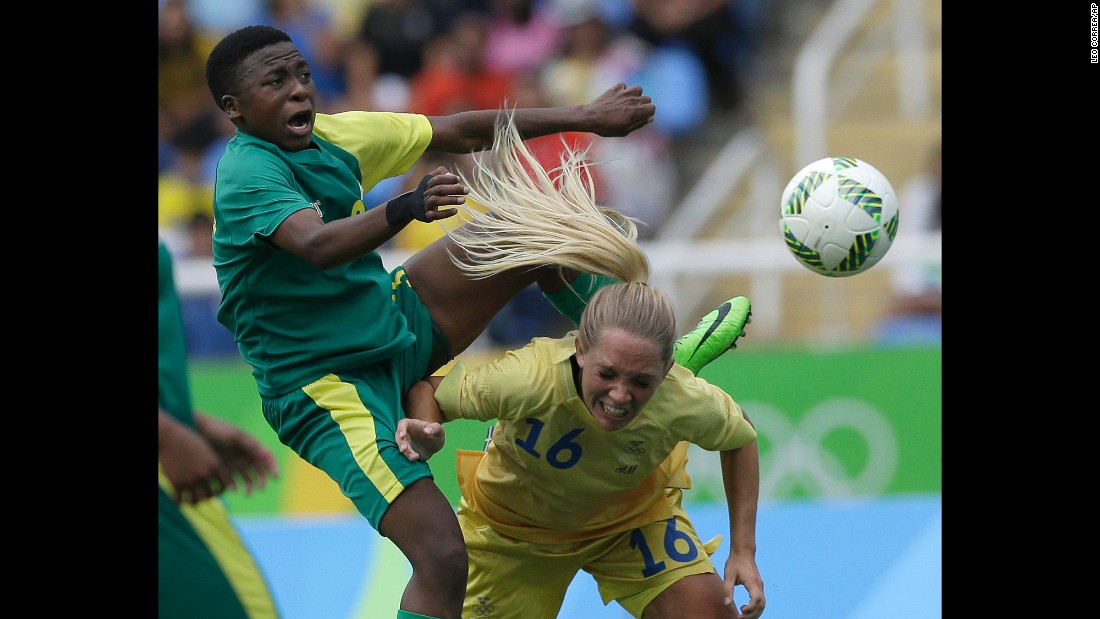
[(535, 217), (633, 307)]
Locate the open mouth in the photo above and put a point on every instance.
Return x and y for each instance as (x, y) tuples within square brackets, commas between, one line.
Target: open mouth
[(300, 120)]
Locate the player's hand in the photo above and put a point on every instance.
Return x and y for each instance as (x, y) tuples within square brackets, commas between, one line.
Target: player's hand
[(242, 455), (620, 110), (741, 570), (437, 189), (419, 439), (442, 189), (190, 463)]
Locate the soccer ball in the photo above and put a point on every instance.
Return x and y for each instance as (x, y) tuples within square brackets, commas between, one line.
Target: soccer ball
[(838, 216)]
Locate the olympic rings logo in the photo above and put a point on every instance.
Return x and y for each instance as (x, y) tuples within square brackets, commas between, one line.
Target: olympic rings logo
[(484, 607), (796, 455)]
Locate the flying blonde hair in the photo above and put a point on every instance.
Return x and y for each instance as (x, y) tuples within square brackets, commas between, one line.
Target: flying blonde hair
[(535, 217)]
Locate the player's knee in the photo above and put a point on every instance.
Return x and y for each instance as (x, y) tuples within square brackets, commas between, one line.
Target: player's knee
[(448, 564), (697, 595), (454, 557)]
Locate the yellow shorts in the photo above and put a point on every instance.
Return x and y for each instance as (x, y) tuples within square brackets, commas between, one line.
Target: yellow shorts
[(510, 578)]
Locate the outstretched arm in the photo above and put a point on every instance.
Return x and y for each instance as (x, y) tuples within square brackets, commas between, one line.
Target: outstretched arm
[(741, 476), (617, 112), (420, 434)]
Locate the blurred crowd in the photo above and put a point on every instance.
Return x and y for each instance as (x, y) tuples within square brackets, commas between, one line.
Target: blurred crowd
[(916, 306), (437, 57)]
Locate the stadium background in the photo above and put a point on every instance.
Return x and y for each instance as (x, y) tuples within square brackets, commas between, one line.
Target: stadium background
[(846, 394)]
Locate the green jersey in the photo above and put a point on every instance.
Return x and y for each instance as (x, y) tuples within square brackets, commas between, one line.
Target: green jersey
[(174, 392), (293, 323)]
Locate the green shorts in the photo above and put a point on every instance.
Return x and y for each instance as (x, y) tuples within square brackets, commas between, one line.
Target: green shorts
[(344, 423), (204, 568), (513, 578)]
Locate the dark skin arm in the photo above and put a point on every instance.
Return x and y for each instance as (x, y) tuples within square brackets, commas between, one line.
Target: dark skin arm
[(326, 245), (420, 434), (617, 112)]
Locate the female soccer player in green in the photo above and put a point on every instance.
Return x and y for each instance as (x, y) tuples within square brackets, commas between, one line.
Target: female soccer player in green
[(333, 337)]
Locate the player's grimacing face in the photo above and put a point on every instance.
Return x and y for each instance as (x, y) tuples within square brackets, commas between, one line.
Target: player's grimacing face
[(278, 97), (618, 376)]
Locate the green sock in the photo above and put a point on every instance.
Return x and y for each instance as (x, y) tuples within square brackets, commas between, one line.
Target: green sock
[(571, 300), (404, 614)]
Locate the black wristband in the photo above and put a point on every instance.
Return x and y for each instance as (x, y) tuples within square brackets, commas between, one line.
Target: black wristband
[(408, 206)]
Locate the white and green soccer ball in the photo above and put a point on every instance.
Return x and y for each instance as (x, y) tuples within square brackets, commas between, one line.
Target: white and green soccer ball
[(838, 216)]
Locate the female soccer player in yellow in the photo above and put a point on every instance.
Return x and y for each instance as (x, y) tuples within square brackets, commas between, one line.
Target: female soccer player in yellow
[(578, 473), (584, 469)]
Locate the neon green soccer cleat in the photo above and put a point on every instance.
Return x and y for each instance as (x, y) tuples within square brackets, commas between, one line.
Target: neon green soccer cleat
[(716, 333)]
